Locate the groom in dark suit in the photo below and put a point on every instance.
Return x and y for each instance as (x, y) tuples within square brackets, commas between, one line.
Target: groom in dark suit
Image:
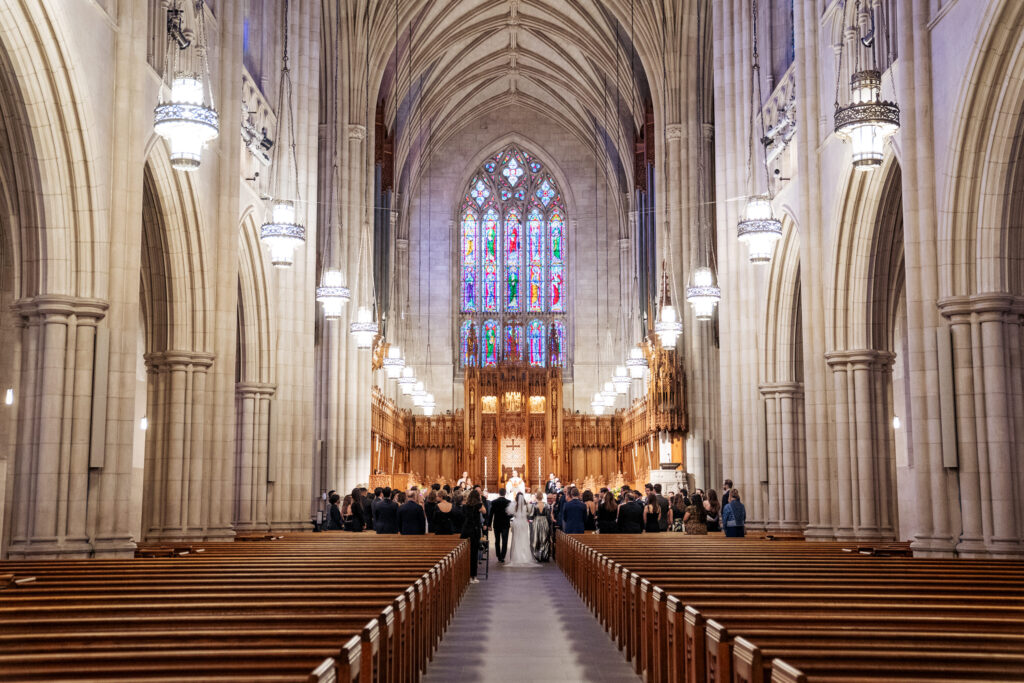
[(498, 520)]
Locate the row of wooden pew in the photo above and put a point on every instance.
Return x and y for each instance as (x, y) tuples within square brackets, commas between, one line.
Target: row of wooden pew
[(706, 608), (303, 607)]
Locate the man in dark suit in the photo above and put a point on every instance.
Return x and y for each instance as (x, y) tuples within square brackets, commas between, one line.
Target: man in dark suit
[(550, 486), (499, 521), (378, 497), (631, 515), (573, 513), (663, 504), (411, 519), (385, 516)]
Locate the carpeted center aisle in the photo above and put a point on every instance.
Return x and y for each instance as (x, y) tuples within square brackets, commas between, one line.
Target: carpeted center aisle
[(526, 625)]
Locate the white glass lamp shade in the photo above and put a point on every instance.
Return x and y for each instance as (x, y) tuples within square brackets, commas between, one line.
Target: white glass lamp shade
[(868, 120), (332, 294), (609, 394), (621, 380), (364, 329), (9, 397), (407, 380), (703, 296), (394, 363), (597, 404), (428, 404), (282, 234), (759, 229), (418, 393), (668, 328), (636, 363), (185, 122)]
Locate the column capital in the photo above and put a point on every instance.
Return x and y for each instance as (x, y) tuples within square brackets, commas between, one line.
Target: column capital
[(46, 306), (673, 131), (986, 302), (860, 357), (356, 131), (781, 389), (402, 244), (178, 360), (255, 389)]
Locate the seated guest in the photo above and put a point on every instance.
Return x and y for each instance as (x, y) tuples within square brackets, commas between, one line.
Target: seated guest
[(631, 514), (606, 514), (574, 513), (695, 519), (734, 516), (334, 521), (411, 518), (385, 520), (652, 514)]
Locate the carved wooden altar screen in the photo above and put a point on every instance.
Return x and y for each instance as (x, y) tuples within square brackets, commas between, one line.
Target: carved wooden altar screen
[(513, 420), (513, 417)]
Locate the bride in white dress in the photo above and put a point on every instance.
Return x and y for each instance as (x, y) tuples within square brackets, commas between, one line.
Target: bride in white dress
[(519, 551)]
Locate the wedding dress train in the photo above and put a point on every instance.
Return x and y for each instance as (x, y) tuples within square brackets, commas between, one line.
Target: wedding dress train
[(520, 553)]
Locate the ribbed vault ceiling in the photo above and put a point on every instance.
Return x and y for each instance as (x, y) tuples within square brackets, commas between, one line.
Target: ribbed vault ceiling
[(458, 60)]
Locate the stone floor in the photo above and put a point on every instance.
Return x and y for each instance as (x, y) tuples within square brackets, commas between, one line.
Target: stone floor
[(526, 625)]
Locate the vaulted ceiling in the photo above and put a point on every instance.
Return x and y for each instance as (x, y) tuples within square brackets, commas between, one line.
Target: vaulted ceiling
[(445, 63)]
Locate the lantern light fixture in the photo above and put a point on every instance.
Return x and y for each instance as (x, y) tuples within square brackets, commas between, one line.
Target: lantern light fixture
[(9, 397), (407, 380), (621, 379), (428, 404), (759, 229), (394, 363), (364, 329), (333, 294), (636, 363), (703, 295), (597, 404)]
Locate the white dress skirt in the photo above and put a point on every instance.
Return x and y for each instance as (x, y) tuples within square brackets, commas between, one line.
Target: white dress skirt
[(520, 553)]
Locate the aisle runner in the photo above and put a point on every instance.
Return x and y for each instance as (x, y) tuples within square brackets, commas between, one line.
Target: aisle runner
[(526, 625)]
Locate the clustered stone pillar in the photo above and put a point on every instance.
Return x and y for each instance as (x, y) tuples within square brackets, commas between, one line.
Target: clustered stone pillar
[(864, 483), (252, 455), (787, 471), (50, 515), (988, 369), (178, 468)]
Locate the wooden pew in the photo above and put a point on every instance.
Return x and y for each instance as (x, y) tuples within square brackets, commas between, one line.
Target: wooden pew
[(670, 601), (306, 598)]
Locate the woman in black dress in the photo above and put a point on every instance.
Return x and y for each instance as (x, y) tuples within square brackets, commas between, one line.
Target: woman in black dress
[(606, 515), (472, 529), (442, 523), (590, 523), (356, 521), (652, 513)]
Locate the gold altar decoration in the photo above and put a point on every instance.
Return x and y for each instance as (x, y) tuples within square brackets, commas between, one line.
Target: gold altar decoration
[(514, 412)]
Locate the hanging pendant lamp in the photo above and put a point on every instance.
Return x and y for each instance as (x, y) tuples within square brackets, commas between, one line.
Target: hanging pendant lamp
[(364, 329), (703, 295), (407, 381), (332, 294), (597, 404), (186, 118), (759, 229), (394, 363), (637, 363)]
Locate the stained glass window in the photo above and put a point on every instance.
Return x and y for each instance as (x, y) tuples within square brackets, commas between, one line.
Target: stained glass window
[(558, 344), (513, 262), (535, 340), (489, 347), (513, 342), (468, 359)]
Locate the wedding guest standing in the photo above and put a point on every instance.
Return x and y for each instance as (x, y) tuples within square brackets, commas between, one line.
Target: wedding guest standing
[(696, 517), (714, 511), (631, 514), (652, 515), (734, 516), (606, 514), (472, 529), (386, 516), (334, 522), (411, 520), (663, 504), (676, 513), (574, 514), (441, 525)]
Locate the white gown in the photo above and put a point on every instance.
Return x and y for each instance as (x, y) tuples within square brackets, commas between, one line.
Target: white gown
[(519, 552)]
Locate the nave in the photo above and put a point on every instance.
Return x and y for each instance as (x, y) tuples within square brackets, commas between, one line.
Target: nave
[(526, 624)]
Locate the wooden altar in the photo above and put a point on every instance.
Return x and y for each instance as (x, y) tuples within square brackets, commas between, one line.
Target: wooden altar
[(513, 418)]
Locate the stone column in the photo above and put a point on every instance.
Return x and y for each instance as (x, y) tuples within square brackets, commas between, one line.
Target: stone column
[(786, 464), (50, 517), (252, 433), (176, 458), (865, 485), (986, 331)]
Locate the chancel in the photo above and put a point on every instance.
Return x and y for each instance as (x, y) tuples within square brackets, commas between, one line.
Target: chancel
[(329, 325)]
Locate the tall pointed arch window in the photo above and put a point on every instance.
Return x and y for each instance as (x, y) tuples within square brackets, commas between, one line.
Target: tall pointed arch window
[(512, 264)]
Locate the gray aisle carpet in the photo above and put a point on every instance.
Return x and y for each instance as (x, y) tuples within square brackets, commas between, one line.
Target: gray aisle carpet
[(526, 625)]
